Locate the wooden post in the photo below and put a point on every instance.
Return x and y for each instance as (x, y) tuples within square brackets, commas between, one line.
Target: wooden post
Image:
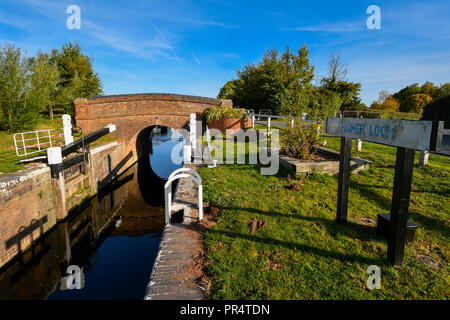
[(404, 165), (344, 175)]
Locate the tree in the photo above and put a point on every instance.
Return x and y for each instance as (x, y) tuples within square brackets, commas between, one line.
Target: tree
[(44, 82), (382, 96), (77, 78), (388, 104), (335, 81), (281, 83), (227, 91), (430, 89), (17, 103), (325, 103), (403, 95), (337, 71), (417, 102), (444, 90)]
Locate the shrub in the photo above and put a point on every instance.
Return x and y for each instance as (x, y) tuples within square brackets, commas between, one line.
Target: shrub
[(217, 113), (299, 142)]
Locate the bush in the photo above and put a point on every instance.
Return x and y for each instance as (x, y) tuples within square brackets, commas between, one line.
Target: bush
[(299, 142), (438, 110), (217, 113)]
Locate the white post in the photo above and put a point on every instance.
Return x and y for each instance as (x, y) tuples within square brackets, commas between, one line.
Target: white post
[(292, 122), (358, 144), (253, 122), (200, 201), (168, 200), (193, 131), (268, 125), (423, 159), (187, 153), (67, 129)]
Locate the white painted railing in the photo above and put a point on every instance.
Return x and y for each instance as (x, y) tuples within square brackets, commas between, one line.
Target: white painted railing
[(178, 174), (27, 143)]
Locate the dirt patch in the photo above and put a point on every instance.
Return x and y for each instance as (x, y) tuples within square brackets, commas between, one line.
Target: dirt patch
[(212, 210), (295, 187), (272, 263), (366, 221), (194, 273), (255, 225), (428, 261)]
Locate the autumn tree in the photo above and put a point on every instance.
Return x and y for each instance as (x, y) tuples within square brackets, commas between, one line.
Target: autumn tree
[(417, 102)]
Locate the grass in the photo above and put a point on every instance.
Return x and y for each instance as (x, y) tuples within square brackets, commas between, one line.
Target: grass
[(10, 162), (304, 254)]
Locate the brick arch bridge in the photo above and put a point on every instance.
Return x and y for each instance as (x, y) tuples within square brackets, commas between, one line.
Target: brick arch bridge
[(132, 113)]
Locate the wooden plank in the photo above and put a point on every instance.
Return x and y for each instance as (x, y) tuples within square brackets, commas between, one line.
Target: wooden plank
[(411, 134)]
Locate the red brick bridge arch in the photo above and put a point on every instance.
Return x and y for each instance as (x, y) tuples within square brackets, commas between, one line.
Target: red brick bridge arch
[(132, 113)]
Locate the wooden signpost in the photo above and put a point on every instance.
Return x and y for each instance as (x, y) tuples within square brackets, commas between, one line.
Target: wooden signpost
[(408, 136)]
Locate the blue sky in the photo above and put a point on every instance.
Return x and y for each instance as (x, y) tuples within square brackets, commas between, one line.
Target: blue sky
[(194, 47)]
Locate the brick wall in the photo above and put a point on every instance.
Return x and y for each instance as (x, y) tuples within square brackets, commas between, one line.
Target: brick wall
[(31, 201), (28, 209), (135, 112)]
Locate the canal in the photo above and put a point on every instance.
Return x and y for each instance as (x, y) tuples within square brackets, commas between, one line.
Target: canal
[(113, 237)]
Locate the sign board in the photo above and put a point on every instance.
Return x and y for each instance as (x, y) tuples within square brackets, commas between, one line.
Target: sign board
[(411, 134)]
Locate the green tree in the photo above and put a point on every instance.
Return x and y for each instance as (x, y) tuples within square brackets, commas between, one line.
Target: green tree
[(430, 89), (17, 104), (281, 83), (227, 91), (335, 81), (325, 103), (403, 95), (77, 78), (444, 90), (44, 82)]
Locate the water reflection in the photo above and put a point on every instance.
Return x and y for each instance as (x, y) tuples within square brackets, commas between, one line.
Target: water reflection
[(114, 237)]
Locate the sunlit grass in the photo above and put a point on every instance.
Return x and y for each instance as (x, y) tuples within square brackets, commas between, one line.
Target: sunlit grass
[(304, 254)]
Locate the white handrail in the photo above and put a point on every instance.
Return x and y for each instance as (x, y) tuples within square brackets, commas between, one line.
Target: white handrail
[(195, 173), (178, 174)]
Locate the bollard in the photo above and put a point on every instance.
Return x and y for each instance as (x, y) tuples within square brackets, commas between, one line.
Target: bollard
[(67, 129), (423, 159), (358, 144)]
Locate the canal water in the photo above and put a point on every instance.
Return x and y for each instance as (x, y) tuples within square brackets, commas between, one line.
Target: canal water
[(113, 238)]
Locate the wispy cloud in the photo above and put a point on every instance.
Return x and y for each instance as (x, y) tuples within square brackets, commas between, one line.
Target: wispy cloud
[(195, 58), (146, 48), (332, 27)]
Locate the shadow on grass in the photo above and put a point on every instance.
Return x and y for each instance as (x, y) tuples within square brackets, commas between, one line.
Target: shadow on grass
[(371, 195), (429, 223), (349, 229), (302, 247)]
